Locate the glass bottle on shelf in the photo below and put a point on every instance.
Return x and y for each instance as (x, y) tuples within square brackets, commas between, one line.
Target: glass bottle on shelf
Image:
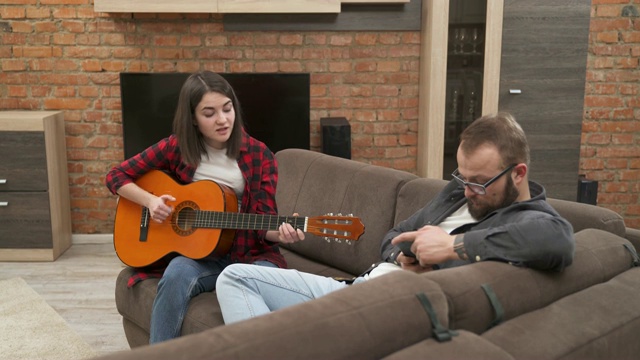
[(475, 40), (453, 40), (470, 110), (455, 99), (462, 38)]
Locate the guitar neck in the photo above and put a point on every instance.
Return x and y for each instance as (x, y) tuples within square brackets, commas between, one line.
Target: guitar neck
[(244, 221)]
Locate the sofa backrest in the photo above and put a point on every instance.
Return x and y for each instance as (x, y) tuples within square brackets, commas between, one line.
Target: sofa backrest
[(586, 216), (599, 256), (416, 193), (314, 184)]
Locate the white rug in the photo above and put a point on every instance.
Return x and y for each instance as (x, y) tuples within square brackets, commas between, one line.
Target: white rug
[(31, 329)]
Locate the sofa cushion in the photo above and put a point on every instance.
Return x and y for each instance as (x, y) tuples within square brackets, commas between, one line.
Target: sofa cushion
[(599, 256), (314, 184), (600, 322), (415, 194), (302, 263)]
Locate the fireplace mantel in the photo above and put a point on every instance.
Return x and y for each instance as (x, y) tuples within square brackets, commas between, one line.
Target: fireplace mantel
[(230, 6)]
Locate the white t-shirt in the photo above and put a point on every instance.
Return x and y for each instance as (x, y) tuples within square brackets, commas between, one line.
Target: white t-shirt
[(217, 166), (458, 218)]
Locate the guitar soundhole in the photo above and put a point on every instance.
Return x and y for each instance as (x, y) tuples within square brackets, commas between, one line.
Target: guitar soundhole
[(185, 218)]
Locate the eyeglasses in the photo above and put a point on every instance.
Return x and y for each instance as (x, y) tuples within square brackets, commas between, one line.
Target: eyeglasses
[(478, 188)]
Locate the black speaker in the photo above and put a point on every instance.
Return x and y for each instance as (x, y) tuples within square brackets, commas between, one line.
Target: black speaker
[(587, 191), (336, 137)]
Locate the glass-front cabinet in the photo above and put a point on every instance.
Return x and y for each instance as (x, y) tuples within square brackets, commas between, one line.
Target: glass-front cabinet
[(465, 66)]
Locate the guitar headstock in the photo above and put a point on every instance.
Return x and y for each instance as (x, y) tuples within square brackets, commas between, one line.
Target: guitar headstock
[(336, 227)]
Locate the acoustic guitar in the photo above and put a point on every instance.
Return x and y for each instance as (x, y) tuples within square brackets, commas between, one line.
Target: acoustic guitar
[(203, 222)]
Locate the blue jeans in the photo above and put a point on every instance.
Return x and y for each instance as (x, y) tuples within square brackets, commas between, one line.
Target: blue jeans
[(246, 291), (183, 279)]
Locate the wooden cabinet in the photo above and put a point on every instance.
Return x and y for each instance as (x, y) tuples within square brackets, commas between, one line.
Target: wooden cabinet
[(542, 82), (35, 219)]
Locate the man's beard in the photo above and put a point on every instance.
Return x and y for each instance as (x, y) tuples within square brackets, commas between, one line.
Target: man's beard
[(511, 193)]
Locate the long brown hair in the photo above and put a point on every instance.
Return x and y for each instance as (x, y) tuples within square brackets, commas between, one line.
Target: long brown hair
[(500, 130), (190, 139)]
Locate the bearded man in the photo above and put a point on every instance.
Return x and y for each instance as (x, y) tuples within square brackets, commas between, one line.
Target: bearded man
[(489, 211)]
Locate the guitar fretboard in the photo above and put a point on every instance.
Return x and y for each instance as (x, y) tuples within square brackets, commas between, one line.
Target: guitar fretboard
[(238, 221)]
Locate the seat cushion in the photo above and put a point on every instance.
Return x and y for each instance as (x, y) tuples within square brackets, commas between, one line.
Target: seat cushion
[(135, 305)]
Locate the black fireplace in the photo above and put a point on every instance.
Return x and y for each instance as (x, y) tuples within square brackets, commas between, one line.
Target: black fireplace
[(275, 107)]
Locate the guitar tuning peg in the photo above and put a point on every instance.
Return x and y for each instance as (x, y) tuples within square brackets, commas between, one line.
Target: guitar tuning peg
[(329, 214), (350, 214), (348, 242), (327, 239), (337, 240), (339, 214)]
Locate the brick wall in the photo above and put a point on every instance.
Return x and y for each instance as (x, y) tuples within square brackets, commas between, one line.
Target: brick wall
[(60, 55), (610, 150)]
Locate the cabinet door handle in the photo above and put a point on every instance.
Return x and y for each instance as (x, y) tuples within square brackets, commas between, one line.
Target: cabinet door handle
[(515, 91), (4, 203), (3, 181)]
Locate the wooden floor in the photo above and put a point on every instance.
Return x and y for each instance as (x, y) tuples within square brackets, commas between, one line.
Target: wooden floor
[(79, 285)]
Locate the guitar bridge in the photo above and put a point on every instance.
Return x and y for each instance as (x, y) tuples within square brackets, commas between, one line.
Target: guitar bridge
[(144, 225)]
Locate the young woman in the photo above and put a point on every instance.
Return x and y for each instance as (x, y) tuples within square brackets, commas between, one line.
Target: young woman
[(209, 142)]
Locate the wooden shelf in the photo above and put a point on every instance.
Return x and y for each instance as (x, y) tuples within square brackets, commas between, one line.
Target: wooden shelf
[(231, 6), (278, 6), (155, 6)]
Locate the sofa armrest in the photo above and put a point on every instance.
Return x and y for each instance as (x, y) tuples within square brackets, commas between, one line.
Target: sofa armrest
[(353, 323), (600, 256)]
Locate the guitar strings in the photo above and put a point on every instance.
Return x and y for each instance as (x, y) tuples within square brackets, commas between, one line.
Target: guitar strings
[(200, 219), (345, 234)]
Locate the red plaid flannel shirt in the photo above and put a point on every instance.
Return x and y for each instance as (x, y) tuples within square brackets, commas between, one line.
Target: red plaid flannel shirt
[(259, 168)]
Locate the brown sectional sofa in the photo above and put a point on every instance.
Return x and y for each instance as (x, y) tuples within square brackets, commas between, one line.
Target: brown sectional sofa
[(497, 310)]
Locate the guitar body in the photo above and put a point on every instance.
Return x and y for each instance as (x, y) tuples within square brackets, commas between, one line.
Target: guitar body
[(140, 241), (204, 221)]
